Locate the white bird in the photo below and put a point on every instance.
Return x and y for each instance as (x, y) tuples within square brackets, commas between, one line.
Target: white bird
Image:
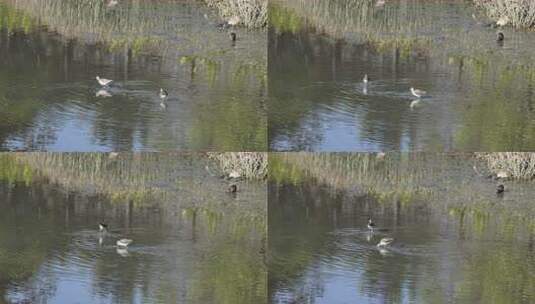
[(418, 93), (163, 93), (233, 21), (123, 242), (234, 174), (103, 81), (112, 3), (503, 21), (380, 3), (365, 79), (385, 242)]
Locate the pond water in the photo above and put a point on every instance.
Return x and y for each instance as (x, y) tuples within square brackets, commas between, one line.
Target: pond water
[(189, 244), (51, 53), (479, 93), (455, 240)]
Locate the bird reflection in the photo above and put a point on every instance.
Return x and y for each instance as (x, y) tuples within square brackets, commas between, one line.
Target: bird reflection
[(103, 93), (415, 103), (122, 251)]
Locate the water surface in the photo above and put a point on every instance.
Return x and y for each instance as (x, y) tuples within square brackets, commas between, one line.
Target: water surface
[(52, 51), (192, 242), (455, 239), (479, 93)]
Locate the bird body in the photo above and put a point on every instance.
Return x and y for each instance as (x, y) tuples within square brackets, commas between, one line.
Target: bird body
[(418, 93), (234, 174), (112, 3), (371, 224), (163, 93), (500, 189), (102, 227), (380, 3), (233, 188), (233, 37), (385, 242), (123, 242), (503, 21), (233, 21), (103, 81), (500, 38), (365, 79)]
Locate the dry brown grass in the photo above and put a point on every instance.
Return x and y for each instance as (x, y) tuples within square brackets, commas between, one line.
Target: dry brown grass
[(517, 165), (250, 165), (518, 13), (252, 13)]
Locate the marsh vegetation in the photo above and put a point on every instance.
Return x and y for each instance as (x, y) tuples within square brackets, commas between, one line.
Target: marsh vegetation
[(217, 88), (480, 91), (447, 221), (192, 241)]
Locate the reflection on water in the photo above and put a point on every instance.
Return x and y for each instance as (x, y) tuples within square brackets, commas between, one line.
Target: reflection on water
[(195, 244), (454, 238), (50, 99), (480, 93)]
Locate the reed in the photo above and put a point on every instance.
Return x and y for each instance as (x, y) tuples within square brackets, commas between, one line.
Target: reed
[(518, 13), (252, 13), (250, 165), (517, 165)]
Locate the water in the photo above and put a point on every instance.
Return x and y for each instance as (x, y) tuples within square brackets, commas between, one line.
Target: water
[(455, 240), (192, 242), (51, 53), (480, 93)]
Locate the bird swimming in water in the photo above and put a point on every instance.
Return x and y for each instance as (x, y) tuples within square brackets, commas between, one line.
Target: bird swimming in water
[(500, 189), (102, 227), (163, 93), (385, 242), (103, 81), (418, 93), (500, 39), (232, 188), (371, 224), (123, 242), (233, 37)]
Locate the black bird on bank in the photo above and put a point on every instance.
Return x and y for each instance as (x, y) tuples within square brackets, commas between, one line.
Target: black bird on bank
[(500, 189)]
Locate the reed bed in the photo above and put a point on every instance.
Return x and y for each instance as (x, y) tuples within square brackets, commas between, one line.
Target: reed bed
[(444, 182), (249, 165), (516, 165), (252, 13), (518, 13), (385, 177)]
